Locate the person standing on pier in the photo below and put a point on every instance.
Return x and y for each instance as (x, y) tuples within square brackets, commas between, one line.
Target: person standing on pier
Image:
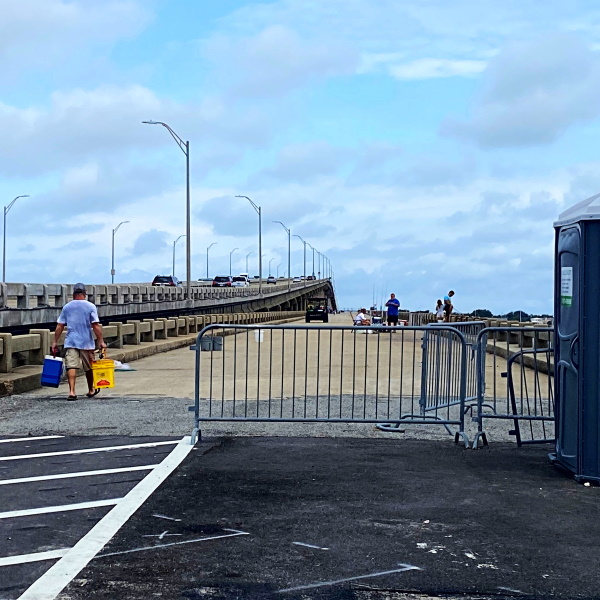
[(393, 308), (81, 319), (448, 307)]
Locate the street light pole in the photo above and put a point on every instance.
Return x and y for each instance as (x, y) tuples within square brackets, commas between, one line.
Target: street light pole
[(185, 148), (289, 253), (175, 242), (313, 253), (230, 259), (270, 261), (6, 209), (207, 257), (304, 244), (258, 212), (247, 255), (112, 270)]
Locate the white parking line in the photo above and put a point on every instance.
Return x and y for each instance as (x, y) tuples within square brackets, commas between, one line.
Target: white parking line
[(32, 439), (59, 575), (20, 559), (78, 474), (88, 450), (335, 582), (194, 541), (11, 514)]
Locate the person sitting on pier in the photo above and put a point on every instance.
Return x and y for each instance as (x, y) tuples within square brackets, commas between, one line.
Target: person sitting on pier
[(362, 318)]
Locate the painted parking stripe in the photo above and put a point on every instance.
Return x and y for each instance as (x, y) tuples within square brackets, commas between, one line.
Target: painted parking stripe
[(88, 450), (60, 574), (32, 439), (21, 559), (11, 514), (78, 474)]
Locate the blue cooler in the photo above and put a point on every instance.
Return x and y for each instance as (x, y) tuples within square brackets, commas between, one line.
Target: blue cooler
[(52, 371)]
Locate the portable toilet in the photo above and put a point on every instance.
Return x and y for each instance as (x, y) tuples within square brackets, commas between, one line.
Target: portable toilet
[(577, 339)]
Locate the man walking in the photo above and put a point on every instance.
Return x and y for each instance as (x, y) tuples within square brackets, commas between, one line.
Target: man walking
[(81, 318), (448, 307), (393, 307)]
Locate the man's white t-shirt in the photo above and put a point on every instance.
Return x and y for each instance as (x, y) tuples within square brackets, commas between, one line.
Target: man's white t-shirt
[(360, 317), (78, 316)]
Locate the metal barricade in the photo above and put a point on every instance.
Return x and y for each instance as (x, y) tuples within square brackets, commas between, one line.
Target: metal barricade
[(332, 374), (515, 382)]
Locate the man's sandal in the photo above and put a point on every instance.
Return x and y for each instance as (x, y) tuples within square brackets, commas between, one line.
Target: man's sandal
[(72, 397), (92, 394)]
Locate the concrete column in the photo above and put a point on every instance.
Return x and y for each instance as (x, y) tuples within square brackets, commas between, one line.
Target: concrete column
[(136, 337), (118, 343), (6, 358), (183, 326), (36, 357), (162, 334), (148, 336)]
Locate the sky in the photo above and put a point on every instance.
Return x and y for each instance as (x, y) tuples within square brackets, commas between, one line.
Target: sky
[(420, 145)]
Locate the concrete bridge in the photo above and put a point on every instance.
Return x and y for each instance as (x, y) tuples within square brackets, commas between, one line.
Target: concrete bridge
[(23, 305)]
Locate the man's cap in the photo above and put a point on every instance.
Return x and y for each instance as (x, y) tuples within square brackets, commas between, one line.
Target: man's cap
[(79, 287)]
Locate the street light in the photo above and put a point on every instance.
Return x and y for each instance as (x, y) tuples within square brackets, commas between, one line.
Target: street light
[(278, 270), (304, 243), (313, 252), (207, 257), (175, 242), (230, 259), (185, 148), (6, 209), (258, 212), (270, 261), (112, 270), (289, 253), (247, 255)]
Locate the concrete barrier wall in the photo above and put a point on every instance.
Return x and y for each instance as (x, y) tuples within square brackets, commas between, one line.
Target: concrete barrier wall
[(30, 349)]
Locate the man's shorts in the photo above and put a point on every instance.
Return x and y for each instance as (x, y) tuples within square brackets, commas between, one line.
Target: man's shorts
[(392, 319), (77, 359)]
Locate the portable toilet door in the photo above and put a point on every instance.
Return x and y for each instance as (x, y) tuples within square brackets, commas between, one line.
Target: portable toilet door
[(577, 339)]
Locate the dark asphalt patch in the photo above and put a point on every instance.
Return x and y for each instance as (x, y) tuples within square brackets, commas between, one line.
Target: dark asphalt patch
[(498, 522)]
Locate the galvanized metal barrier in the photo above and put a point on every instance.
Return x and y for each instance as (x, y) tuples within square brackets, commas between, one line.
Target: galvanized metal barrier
[(515, 381), (333, 374)]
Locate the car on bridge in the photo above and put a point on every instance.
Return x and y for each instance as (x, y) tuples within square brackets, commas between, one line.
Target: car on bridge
[(222, 281), (296, 280), (271, 279), (310, 277), (316, 310), (239, 281), (166, 280)]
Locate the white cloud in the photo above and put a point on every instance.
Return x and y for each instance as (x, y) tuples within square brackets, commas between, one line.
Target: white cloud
[(533, 93), (430, 68)]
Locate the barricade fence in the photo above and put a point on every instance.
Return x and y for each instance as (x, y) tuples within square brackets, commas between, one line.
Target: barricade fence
[(515, 382), (347, 374), (434, 375)]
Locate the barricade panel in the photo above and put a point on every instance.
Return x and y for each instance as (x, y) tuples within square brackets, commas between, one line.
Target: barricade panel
[(332, 374)]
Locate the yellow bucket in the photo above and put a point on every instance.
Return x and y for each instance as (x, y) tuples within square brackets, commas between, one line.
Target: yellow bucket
[(104, 373)]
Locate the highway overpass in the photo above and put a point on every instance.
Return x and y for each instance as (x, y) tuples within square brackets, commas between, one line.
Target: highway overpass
[(25, 304)]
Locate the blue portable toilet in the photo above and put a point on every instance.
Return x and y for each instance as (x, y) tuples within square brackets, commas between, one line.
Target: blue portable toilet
[(577, 339)]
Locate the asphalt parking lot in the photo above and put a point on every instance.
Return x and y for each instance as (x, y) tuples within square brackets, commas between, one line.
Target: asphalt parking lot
[(55, 489), (361, 519)]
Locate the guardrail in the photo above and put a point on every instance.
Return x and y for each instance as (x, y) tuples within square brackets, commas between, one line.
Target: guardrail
[(44, 295), (30, 349)]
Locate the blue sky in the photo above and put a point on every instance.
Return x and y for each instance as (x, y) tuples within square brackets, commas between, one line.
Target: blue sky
[(421, 145)]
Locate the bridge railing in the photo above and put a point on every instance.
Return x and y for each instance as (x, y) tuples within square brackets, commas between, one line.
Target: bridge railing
[(42, 295), (30, 349)]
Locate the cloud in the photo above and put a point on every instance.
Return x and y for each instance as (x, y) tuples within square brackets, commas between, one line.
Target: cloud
[(434, 68), (150, 242), (533, 93), (275, 61), (40, 34)]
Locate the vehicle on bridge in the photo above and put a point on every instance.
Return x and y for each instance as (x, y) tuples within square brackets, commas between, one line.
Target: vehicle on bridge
[(310, 277), (222, 281), (316, 310), (239, 281), (296, 280), (271, 279), (166, 280)]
